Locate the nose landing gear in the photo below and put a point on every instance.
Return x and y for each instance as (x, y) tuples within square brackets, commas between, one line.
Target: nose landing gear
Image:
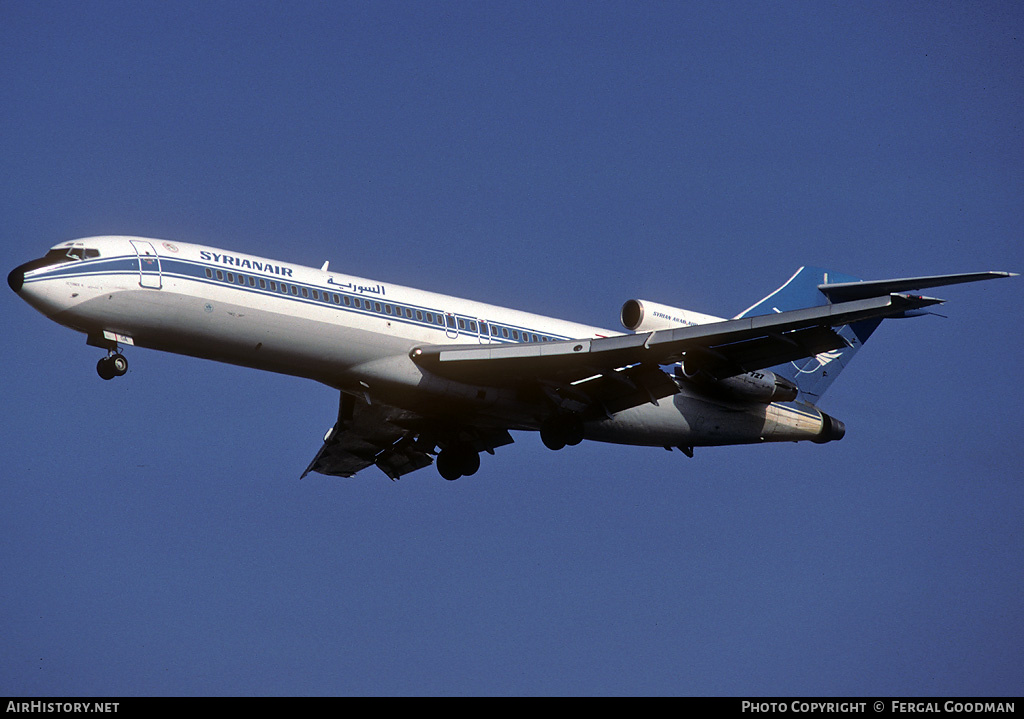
[(113, 366)]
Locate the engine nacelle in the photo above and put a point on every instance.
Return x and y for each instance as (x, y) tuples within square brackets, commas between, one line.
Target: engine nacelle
[(759, 386), (644, 316)]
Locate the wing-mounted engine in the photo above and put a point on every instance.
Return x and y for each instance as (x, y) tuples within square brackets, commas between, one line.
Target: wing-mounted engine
[(644, 316)]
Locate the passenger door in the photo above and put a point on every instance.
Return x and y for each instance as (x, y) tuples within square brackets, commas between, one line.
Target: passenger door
[(149, 264)]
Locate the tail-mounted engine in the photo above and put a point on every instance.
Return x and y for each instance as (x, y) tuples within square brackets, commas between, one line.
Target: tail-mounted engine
[(759, 386), (644, 316)]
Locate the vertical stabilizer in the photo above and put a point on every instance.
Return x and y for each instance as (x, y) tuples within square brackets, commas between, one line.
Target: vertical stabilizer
[(814, 374)]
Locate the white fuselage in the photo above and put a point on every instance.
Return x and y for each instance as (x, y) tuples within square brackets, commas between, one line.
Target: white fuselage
[(350, 333)]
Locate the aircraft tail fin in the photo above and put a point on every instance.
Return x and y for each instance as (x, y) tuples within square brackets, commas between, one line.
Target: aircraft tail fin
[(814, 375), (813, 287)]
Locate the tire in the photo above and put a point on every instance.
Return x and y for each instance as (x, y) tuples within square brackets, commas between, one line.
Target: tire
[(105, 368), (551, 436), (469, 461), (119, 364), (561, 431), (573, 431), (448, 465)]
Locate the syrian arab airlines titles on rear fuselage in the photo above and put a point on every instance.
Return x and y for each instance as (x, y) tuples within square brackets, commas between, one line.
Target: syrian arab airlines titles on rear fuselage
[(423, 375)]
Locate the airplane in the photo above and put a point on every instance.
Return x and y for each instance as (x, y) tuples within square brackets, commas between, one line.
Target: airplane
[(425, 378)]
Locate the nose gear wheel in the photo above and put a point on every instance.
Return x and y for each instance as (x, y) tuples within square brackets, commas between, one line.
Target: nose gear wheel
[(113, 366)]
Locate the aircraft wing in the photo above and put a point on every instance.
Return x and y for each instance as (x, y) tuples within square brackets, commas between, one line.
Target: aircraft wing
[(722, 348), (367, 434), (395, 440)]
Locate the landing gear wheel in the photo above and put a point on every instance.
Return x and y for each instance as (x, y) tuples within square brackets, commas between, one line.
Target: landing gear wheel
[(551, 437), (458, 461), (573, 431), (119, 364), (557, 432), (470, 462), (448, 465), (105, 368)]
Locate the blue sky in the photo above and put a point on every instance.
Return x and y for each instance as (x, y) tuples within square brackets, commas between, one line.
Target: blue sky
[(560, 158)]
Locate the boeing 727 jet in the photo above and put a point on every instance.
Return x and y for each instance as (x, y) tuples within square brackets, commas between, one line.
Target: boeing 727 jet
[(426, 378)]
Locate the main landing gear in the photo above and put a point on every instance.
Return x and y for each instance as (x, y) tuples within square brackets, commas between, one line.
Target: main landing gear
[(459, 460), (561, 430), (112, 366)]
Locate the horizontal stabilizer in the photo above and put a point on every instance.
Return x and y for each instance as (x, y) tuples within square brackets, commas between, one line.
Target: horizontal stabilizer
[(845, 291)]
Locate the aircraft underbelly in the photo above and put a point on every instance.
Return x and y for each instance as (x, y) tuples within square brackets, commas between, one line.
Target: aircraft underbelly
[(227, 332)]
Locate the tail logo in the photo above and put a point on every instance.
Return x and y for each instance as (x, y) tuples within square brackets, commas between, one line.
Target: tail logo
[(822, 359)]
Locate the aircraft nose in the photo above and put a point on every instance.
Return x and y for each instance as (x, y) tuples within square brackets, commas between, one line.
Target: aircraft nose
[(16, 278)]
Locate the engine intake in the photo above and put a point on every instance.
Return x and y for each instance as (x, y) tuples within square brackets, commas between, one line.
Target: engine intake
[(644, 316)]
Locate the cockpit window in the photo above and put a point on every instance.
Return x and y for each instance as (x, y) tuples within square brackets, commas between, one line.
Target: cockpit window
[(82, 253), (54, 257), (61, 255)]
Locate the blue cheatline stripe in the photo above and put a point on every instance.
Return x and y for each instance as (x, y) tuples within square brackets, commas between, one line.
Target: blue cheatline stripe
[(196, 272)]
